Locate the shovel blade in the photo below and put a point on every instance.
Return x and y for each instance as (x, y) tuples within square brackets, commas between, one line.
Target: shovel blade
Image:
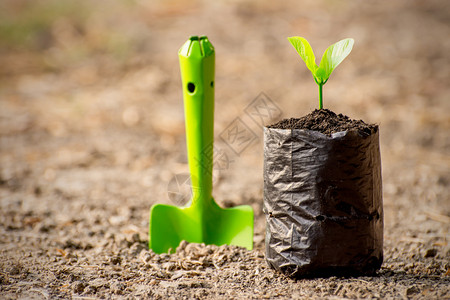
[(169, 225), (230, 226)]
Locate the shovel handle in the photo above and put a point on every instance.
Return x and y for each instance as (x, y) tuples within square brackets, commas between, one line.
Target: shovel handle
[(197, 59)]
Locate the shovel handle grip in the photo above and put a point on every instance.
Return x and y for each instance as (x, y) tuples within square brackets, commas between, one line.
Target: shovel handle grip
[(197, 60)]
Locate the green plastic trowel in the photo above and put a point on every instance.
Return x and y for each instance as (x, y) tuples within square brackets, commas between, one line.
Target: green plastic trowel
[(202, 220)]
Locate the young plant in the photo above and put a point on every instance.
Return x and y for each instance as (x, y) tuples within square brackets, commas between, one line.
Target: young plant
[(332, 57)]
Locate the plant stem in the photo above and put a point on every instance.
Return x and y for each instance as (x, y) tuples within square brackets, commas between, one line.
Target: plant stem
[(320, 96)]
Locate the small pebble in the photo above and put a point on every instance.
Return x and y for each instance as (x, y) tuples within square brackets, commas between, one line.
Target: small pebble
[(431, 252), (145, 256), (115, 260), (136, 248), (117, 287), (78, 287), (412, 290), (135, 238)]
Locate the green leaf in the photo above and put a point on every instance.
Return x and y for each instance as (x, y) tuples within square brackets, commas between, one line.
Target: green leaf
[(305, 51), (332, 57)]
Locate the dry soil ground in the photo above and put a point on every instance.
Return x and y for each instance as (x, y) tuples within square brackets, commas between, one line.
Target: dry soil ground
[(92, 133)]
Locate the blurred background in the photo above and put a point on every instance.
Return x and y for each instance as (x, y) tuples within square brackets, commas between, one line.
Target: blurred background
[(91, 112)]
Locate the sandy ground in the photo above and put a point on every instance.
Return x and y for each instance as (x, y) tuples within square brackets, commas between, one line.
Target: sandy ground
[(92, 134)]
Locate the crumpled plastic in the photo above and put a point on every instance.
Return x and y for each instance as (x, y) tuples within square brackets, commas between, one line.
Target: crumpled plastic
[(323, 202)]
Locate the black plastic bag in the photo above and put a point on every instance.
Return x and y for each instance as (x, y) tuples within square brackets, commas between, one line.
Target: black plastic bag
[(323, 202)]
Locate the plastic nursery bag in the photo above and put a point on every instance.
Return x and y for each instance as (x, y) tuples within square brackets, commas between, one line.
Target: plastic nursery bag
[(323, 202)]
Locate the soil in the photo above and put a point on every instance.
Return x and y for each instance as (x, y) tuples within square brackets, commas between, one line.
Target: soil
[(326, 122), (92, 133)]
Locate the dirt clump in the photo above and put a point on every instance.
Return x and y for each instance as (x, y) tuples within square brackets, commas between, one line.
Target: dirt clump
[(326, 122)]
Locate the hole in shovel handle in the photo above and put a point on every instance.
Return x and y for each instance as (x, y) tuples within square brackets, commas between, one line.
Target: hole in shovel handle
[(191, 87), (320, 218)]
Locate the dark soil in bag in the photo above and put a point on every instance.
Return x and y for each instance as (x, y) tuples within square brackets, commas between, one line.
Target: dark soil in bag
[(326, 122), (323, 196)]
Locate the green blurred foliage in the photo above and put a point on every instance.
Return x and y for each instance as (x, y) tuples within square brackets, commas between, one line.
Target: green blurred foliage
[(28, 24), (56, 34)]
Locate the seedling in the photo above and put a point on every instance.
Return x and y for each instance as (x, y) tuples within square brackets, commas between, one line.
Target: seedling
[(332, 57)]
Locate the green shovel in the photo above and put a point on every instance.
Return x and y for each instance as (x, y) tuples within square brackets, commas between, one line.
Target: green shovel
[(202, 220)]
